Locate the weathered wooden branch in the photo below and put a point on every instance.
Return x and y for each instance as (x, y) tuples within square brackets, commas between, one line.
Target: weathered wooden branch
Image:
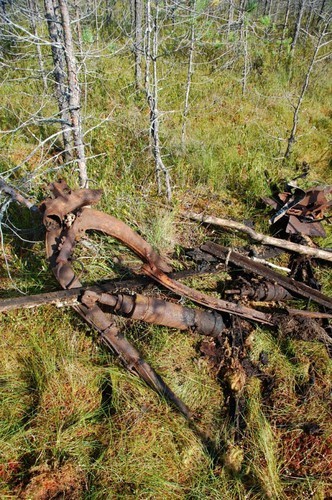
[(16, 195), (260, 237)]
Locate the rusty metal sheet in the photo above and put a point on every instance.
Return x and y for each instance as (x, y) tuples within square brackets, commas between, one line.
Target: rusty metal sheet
[(303, 209)]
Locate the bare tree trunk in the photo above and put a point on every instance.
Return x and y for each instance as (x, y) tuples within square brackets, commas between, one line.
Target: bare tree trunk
[(82, 59), (74, 94), (78, 15), (60, 75), (297, 27), (33, 16), (241, 19), (291, 138), (95, 8), (152, 96), (284, 29), (189, 74), (309, 20), (230, 18), (245, 60), (138, 48)]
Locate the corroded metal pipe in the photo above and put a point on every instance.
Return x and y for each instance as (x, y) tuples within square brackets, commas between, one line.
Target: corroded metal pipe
[(159, 312)]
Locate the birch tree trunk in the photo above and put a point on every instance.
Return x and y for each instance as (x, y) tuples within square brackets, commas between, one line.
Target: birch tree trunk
[(60, 75), (33, 16), (190, 72), (291, 138), (151, 89), (74, 94)]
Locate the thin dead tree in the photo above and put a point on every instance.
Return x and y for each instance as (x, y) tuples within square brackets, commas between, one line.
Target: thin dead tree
[(246, 65), (60, 75), (285, 26), (33, 14), (230, 19), (297, 27), (152, 90), (74, 94), (190, 71), (319, 44), (138, 44)]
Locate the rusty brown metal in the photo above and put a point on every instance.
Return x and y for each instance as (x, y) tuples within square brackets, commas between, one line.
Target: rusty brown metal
[(158, 312), (65, 201), (112, 338), (303, 209), (64, 227), (300, 289), (207, 300), (66, 220), (61, 241), (261, 290)]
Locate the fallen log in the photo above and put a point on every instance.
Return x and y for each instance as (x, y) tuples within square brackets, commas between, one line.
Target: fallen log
[(260, 237)]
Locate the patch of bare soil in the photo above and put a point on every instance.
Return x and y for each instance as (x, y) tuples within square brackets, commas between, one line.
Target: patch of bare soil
[(66, 482)]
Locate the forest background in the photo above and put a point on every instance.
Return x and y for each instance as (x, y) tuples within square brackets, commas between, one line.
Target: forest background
[(167, 106)]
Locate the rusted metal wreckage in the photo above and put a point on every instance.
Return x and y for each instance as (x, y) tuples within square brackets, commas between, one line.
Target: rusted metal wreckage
[(303, 210), (68, 215)]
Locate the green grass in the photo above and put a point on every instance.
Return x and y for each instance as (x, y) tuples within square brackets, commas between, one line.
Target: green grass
[(73, 422)]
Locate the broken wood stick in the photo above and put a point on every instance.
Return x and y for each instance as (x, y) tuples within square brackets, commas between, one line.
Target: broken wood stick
[(16, 195), (260, 237)]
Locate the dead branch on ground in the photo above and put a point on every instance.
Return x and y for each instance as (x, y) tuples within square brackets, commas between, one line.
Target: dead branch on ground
[(260, 237)]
